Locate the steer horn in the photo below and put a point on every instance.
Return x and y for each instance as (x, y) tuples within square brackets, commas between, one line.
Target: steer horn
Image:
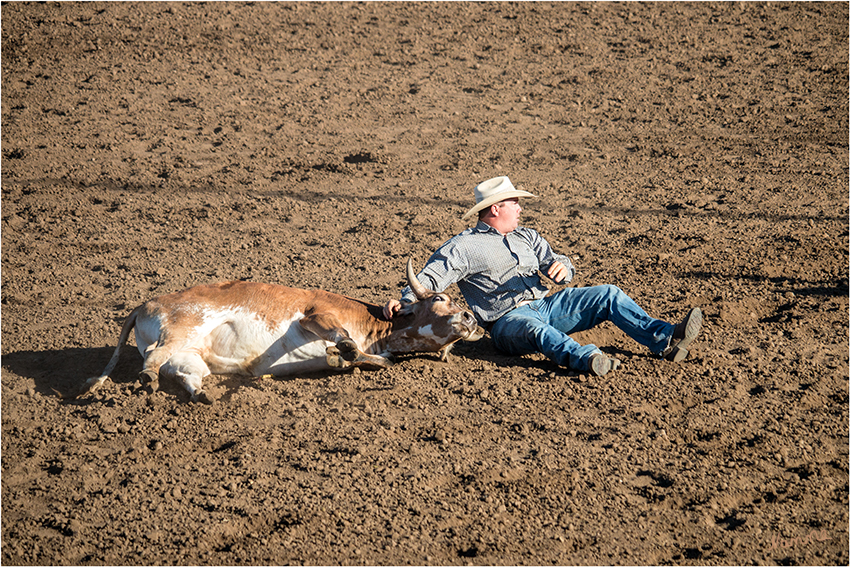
[(419, 290)]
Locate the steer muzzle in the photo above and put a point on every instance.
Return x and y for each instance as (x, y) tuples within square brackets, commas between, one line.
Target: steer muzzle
[(467, 327)]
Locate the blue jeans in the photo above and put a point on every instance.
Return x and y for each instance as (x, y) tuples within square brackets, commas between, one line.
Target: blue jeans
[(544, 325)]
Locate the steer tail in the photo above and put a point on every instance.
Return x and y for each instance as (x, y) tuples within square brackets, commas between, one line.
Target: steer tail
[(93, 384)]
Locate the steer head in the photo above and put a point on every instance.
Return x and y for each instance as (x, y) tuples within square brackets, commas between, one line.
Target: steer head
[(432, 323)]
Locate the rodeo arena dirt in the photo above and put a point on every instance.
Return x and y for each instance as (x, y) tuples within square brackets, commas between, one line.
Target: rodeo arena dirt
[(693, 154)]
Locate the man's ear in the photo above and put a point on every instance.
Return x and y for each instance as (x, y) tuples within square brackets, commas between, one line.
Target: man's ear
[(493, 210)]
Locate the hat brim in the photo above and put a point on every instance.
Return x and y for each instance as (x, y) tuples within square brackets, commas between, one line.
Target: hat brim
[(497, 198)]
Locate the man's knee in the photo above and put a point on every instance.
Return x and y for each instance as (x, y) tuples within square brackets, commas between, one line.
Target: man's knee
[(611, 289), (610, 293)]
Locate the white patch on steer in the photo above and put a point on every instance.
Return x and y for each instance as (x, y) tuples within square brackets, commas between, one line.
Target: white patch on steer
[(428, 332), (147, 333), (243, 340), (236, 333), (422, 339), (296, 350)]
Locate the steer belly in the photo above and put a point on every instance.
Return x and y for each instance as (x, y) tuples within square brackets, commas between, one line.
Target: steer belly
[(294, 351), (247, 346)]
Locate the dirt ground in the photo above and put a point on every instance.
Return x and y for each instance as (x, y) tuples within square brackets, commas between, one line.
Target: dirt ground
[(693, 154)]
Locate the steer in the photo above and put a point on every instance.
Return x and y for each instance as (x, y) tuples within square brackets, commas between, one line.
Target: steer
[(257, 329)]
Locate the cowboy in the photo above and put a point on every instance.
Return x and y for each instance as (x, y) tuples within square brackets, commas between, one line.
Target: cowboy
[(496, 266)]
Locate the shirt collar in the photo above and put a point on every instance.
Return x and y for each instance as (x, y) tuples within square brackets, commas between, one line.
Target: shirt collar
[(484, 227)]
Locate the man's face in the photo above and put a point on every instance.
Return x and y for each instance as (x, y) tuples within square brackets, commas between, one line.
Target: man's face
[(509, 211)]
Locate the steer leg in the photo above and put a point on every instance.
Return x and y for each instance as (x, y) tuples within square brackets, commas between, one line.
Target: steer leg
[(156, 355), (190, 370), (328, 327), (345, 353), (337, 359)]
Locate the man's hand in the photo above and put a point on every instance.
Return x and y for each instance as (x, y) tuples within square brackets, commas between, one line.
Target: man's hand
[(557, 272), (391, 308)]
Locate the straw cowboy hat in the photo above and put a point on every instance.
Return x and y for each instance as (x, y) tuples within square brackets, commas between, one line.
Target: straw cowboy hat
[(493, 191)]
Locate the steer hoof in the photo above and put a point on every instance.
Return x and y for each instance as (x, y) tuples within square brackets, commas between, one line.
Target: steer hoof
[(201, 397), (334, 359), (150, 380), (148, 376), (348, 349), (444, 352)]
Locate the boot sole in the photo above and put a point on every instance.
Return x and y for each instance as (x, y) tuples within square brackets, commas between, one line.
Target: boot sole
[(692, 328), (600, 365)]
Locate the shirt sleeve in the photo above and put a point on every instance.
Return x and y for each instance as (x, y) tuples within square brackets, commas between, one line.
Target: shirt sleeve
[(546, 256), (446, 266)]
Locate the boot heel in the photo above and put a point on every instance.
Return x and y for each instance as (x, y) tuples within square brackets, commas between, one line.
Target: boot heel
[(677, 354)]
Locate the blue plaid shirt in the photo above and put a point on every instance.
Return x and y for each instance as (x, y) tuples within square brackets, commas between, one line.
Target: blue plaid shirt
[(494, 272)]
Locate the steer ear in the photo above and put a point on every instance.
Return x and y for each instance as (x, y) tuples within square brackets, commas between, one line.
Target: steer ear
[(419, 290)]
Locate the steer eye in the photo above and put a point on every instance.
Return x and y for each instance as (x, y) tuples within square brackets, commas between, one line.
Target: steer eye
[(438, 298)]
